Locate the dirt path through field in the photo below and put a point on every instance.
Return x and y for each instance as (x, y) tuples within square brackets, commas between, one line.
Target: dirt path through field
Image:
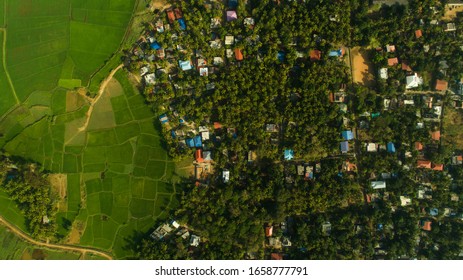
[(95, 100), (81, 250)]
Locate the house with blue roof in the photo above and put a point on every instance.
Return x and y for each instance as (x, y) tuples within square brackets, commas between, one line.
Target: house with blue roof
[(190, 143), (344, 147), (434, 212), (198, 142), (185, 65), (164, 119), (155, 46), (281, 56), (182, 23), (347, 135), (289, 154), (335, 53), (391, 147)]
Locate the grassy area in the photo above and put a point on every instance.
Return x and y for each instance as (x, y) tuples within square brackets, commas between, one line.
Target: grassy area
[(14, 248), (452, 134), (119, 178)]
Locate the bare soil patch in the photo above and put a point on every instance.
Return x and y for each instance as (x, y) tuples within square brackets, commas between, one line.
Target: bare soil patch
[(362, 68), (452, 13), (159, 4), (74, 101), (59, 185)]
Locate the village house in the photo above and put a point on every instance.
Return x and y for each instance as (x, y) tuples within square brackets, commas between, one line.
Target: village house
[(441, 85), (376, 185), (413, 81)]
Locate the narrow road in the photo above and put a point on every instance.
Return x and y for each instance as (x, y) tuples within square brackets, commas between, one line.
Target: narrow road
[(100, 93), (72, 248), (10, 82)]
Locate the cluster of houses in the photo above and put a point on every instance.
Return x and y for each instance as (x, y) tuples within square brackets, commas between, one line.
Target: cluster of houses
[(173, 228), (277, 239)]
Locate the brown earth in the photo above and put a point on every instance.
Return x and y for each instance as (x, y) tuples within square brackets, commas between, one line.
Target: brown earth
[(362, 68), (73, 248), (451, 14), (59, 185), (74, 100)]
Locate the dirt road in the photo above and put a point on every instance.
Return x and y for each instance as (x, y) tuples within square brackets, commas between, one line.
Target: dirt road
[(72, 248), (95, 100)]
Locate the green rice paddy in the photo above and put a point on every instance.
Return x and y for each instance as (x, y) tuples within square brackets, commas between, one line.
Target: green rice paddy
[(119, 177)]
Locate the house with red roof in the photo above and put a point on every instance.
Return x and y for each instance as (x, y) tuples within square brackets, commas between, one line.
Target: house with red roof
[(393, 61), (441, 85), (435, 135), (418, 33), (424, 164), (268, 231), (238, 54), (170, 16), (315, 55), (199, 156)]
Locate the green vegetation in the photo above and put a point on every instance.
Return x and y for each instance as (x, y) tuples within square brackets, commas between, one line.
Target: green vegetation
[(31, 191), (14, 248), (393, 201)]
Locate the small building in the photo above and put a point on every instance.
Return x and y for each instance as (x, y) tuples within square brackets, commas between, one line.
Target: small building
[(199, 156), (376, 185), (406, 67), (217, 61), (435, 135), (207, 156), (203, 71), (405, 201), (347, 135), (344, 147), (434, 212), (252, 156), (164, 119), (198, 142), (372, 147), (276, 256), (441, 85), (457, 160), (150, 79), (336, 53), (205, 135), (315, 55), (226, 176), (383, 73), (437, 167), (239, 54), (185, 65), (170, 16), (392, 61), (326, 228), (413, 81), (450, 27), (231, 15), (195, 240), (190, 142), (289, 154), (249, 22), (418, 33), (424, 164), (271, 127), (390, 48), (268, 231), (391, 147), (229, 40), (425, 225), (418, 146)]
